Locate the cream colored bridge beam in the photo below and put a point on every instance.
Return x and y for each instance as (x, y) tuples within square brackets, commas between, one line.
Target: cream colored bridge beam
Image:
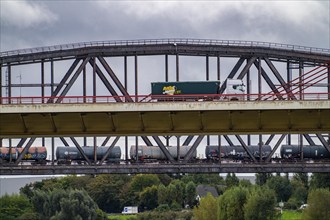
[(159, 118)]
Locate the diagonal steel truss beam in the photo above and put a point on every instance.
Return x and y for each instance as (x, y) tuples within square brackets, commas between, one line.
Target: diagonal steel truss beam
[(109, 150), (114, 78), (105, 81), (324, 142), (106, 140), (275, 147), (80, 150), (246, 148), (193, 148), (246, 68), (163, 148), (72, 80), (276, 73), (25, 150), (270, 139), (64, 79), (188, 140), (64, 141), (267, 79), (232, 74), (228, 140)]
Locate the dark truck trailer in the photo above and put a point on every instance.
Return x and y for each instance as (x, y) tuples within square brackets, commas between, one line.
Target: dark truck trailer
[(192, 90)]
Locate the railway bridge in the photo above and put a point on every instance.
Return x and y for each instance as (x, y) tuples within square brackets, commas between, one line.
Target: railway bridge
[(98, 94)]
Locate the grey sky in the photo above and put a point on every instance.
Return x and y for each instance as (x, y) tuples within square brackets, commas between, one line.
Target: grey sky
[(27, 24)]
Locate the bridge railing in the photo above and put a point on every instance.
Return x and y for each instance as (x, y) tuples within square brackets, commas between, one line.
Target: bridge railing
[(159, 98), (174, 41)]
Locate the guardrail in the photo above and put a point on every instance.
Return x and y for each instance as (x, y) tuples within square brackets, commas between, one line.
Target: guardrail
[(160, 98), (174, 41)]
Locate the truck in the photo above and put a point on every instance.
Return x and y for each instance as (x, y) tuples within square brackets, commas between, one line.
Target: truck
[(196, 90), (130, 210), (235, 89)]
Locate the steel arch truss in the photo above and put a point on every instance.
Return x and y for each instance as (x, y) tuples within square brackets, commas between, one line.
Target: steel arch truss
[(263, 60)]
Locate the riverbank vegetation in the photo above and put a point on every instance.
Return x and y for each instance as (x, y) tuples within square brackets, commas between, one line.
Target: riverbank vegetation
[(171, 197)]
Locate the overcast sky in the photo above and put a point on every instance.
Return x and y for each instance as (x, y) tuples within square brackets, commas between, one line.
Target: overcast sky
[(26, 24)]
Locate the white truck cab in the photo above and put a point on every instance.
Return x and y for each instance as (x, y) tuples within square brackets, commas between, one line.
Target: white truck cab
[(235, 87)]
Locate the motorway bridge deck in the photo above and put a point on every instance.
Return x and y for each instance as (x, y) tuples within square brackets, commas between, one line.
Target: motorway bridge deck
[(159, 118)]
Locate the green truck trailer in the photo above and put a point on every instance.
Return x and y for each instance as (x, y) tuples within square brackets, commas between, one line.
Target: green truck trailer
[(183, 91), (185, 88), (196, 90)]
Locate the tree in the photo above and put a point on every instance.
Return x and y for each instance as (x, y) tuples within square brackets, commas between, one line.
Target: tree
[(15, 206), (231, 180), (281, 186), (64, 204), (301, 177), (106, 191), (320, 180), (260, 205), (162, 195), (299, 194), (190, 194), (204, 179), (67, 182), (261, 178), (40, 202), (231, 204), (142, 181), (245, 183), (179, 191), (149, 198), (207, 209), (171, 194), (78, 205), (164, 179), (318, 205)]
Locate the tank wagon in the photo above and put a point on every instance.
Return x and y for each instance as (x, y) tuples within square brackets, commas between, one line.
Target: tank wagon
[(196, 90), (67, 155), (154, 153), (34, 154), (236, 152), (309, 152)]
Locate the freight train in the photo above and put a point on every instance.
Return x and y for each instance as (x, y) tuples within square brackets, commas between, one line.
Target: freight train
[(64, 155), (197, 90), (314, 152), (34, 154), (154, 153), (69, 155), (236, 152)]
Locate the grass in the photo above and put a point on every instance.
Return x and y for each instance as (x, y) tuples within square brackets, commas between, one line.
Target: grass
[(291, 215), (121, 217)]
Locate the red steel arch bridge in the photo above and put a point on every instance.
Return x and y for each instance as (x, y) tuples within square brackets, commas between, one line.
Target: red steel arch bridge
[(98, 94)]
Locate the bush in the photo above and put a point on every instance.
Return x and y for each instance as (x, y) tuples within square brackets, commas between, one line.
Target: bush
[(169, 215), (260, 205), (163, 208), (292, 203), (318, 205)]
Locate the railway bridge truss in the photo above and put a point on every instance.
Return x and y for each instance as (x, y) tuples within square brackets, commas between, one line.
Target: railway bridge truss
[(98, 94)]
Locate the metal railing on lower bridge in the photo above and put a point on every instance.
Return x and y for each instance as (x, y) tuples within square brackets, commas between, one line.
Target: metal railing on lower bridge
[(297, 167)]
